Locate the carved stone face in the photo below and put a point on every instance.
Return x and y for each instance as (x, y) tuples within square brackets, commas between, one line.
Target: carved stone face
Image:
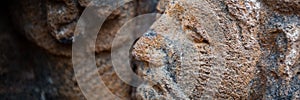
[(191, 57)]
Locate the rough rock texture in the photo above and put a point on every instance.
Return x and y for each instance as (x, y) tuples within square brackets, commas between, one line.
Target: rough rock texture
[(228, 49), (278, 70), (198, 49), (203, 52), (50, 24)]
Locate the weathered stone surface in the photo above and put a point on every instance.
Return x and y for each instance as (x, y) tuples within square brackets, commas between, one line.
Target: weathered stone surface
[(198, 49), (278, 69), (52, 28), (283, 6), (161, 5), (229, 49), (199, 57)]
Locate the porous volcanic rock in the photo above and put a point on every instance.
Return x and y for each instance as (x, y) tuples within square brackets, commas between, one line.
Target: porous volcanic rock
[(197, 49), (228, 49)]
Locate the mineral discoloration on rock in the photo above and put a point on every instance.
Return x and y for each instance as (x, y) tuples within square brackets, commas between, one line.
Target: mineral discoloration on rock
[(254, 54), (198, 49), (278, 39), (203, 64), (284, 6)]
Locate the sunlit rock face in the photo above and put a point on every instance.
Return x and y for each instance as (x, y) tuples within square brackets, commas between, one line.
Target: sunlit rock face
[(229, 49)]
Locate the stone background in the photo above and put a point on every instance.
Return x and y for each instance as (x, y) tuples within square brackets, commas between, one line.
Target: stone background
[(197, 49)]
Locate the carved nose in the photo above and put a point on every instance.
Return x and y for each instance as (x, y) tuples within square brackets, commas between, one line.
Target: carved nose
[(150, 48)]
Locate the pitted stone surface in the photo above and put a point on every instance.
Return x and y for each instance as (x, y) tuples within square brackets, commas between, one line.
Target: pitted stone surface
[(50, 24), (250, 52), (198, 49)]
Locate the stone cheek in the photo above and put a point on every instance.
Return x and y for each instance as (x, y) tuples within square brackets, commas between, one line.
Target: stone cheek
[(198, 63)]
